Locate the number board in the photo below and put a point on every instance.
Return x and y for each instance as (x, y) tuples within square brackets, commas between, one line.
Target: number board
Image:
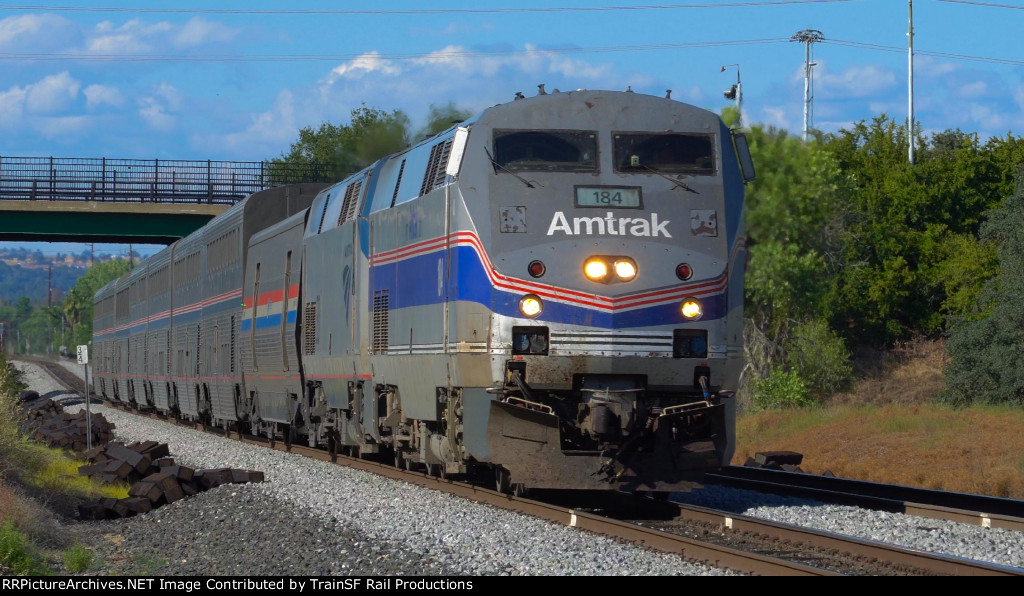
[(83, 354), (614, 197)]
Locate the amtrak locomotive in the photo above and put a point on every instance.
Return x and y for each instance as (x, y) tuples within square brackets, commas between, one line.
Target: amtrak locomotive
[(550, 293)]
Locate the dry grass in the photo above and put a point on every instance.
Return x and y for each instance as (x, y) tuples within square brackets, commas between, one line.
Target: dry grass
[(888, 429)]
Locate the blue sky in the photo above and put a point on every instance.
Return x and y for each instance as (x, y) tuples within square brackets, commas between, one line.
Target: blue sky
[(236, 81)]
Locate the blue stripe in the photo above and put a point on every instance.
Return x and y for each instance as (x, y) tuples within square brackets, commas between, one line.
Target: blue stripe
[(265, 321), (413, 282)]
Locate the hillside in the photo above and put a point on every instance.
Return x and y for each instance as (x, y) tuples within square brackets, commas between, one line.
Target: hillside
[(27, 273), (888, 429)]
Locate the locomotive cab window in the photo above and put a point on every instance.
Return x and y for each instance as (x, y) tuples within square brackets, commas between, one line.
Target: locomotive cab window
[(545, 150), (671, 153)]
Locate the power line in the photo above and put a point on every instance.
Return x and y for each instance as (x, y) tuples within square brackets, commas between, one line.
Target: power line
[(418, 10), (395, 56), (873, 46), (7, 56), (987, 4)]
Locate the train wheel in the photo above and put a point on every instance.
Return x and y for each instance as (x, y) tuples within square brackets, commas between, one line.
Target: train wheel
[(502, 482), (399, 460), (409, 464), (519, 490)]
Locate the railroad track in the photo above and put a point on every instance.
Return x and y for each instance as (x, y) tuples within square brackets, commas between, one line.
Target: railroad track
[(721, 539), (982, 510)]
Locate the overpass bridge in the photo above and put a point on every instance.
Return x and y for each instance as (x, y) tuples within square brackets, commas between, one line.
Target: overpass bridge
[(50, 199)]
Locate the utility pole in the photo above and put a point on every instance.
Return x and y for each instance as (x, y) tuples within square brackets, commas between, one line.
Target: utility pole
[(807, 37), (910, 81), (736, 92)]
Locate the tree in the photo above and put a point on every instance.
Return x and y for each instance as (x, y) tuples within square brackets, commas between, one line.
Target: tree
[(987, 354), (77, 307), (794, 219), (340, 150), (908, 229), (442, 118)]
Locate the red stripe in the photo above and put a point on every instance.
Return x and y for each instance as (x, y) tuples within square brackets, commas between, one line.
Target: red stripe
[(512, 284), (272, 296)]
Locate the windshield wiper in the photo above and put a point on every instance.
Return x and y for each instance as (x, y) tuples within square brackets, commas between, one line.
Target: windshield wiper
[(678, 183), (497, 165)]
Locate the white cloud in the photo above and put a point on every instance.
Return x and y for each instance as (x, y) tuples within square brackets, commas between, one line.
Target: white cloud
[(1018, 96), (156, 110), (12, 104), (973, 90), (52, 94), (775, 116), (927, 66), (198, 32), (857, 81), (32, 32), (133, 37), (155, 115), (570, 67), (97, 95), (413, 85), (987, 118), (170, 95), (270, 132), (371, 62)]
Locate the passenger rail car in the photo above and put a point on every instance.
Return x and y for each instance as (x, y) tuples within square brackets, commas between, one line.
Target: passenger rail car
[(550, 292)]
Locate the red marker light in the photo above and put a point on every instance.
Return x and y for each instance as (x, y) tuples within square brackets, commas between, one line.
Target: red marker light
[(684, 271), (536, 268)]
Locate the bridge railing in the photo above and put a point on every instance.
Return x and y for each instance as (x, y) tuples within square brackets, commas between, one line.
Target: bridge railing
[(138, 180)]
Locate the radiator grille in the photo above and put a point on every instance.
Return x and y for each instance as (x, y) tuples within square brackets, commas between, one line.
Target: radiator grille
[(348, 206), (435, 174), (309, 329), (398, 183), (380, 322)]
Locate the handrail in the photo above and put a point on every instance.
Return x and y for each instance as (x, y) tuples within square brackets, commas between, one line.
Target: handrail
[(135, 180)]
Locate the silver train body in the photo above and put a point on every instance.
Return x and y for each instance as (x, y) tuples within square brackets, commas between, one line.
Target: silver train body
[(550, 293)]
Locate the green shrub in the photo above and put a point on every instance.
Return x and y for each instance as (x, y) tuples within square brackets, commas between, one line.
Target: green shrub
[(17, 553), (10, 438), (781, 389), (77, 558), (820, 356)]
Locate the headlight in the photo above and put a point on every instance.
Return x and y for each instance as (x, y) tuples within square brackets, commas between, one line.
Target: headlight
[(692, 309), (625, 269), (595, 269), (530, 305)]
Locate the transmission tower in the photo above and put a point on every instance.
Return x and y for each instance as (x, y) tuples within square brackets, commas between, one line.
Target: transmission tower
[(808, 37)]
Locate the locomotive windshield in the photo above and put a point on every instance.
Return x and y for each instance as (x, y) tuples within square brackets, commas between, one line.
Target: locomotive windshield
[(671, 153), (546, 150)]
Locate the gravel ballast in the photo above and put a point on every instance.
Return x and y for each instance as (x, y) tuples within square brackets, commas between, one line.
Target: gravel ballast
[(311, 517)]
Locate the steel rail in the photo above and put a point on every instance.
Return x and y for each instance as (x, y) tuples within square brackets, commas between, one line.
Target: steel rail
[(981, 510), (717, 555)]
